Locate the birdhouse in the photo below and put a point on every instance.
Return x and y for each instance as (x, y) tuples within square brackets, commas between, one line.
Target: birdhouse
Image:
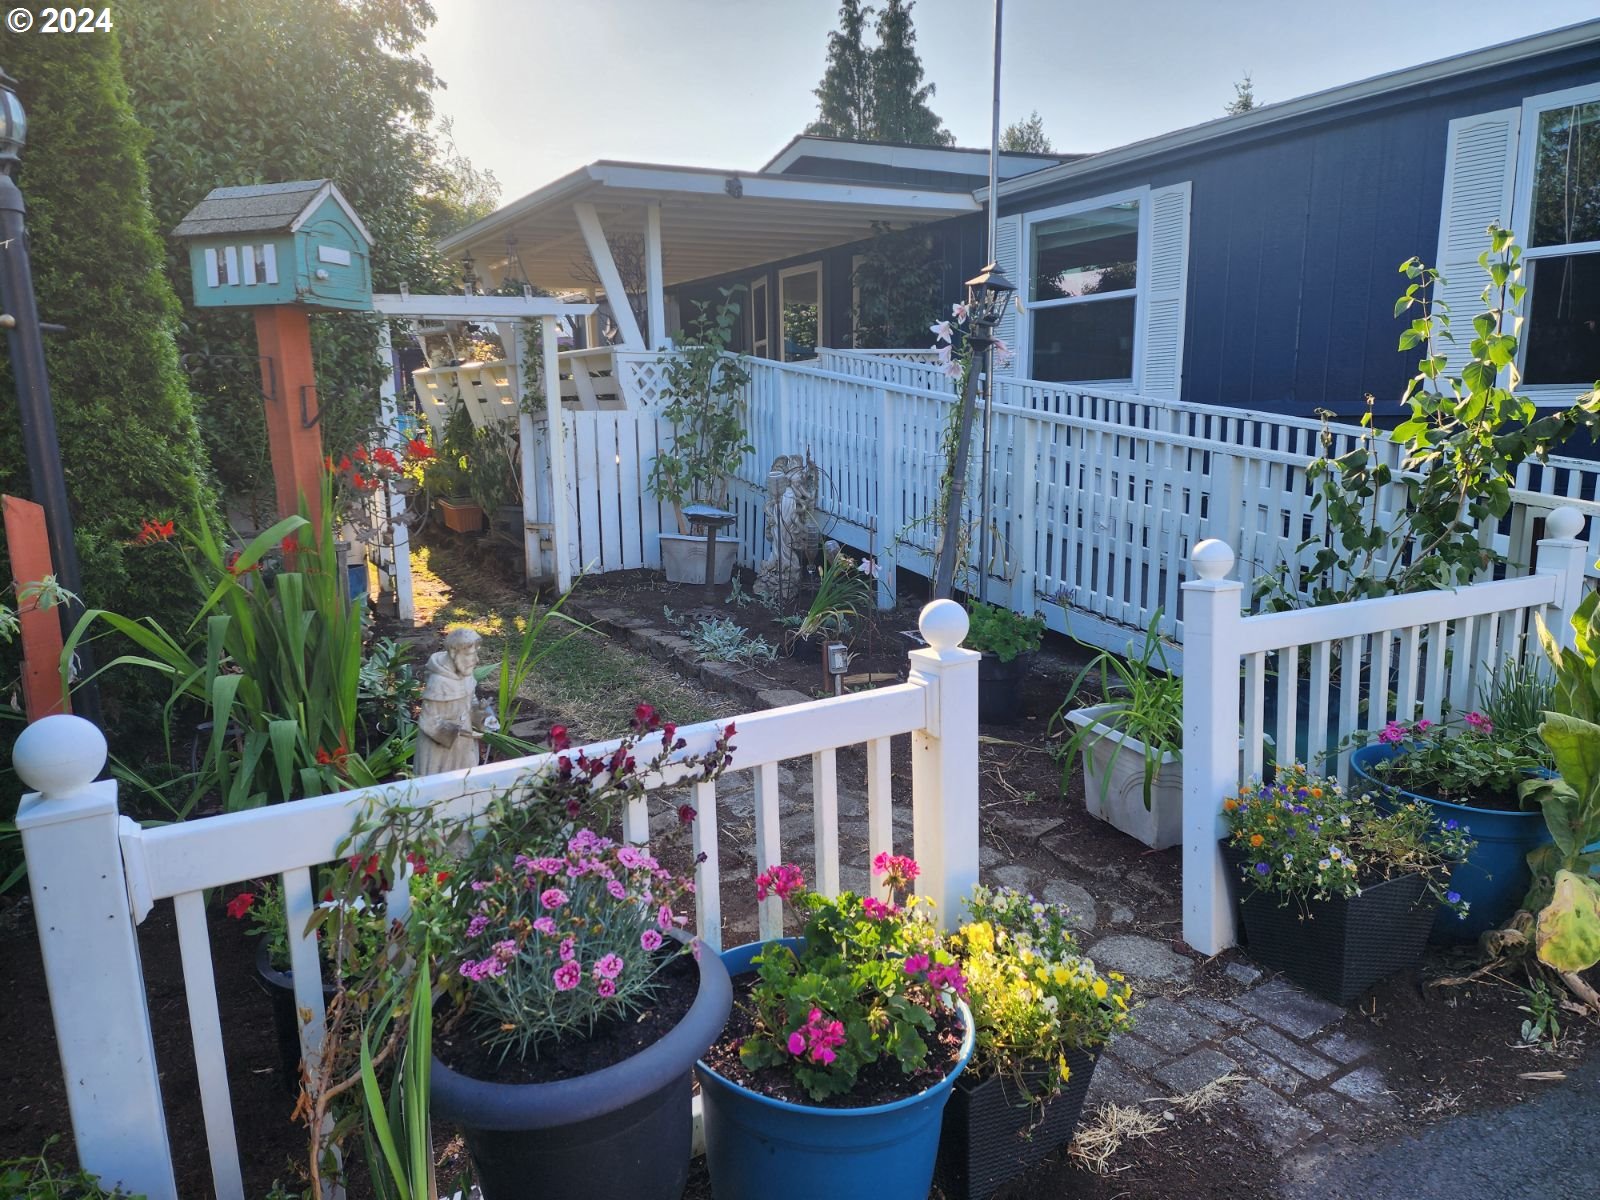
[(278, 243)]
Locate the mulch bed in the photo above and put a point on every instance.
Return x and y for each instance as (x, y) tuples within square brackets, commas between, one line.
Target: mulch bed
[(882, 1082)]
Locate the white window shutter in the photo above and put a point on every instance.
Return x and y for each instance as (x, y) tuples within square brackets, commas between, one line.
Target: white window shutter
[(1164, 294), (1479, 173), (1008, 257)]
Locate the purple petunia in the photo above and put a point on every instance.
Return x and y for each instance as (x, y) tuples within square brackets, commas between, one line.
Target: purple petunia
[(1263, 869)]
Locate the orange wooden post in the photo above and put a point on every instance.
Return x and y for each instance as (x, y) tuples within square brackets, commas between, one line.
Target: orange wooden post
[(283, 335), (29, 545)]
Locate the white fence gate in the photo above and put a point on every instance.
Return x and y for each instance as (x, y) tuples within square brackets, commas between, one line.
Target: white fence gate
[(1398, 658), (94, 875)]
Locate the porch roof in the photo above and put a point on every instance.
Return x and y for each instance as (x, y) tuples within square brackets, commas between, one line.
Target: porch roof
[(712, 221)]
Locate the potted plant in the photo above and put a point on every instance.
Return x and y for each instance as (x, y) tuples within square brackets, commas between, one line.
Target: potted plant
[(844, 591), (357, 936), (448, 474), (834, 1072), (575, 1007), (1130, 743), (1335, 892), (494, 477), (1041, 1014), (1466, 772), (707, 411), (1006, 640)]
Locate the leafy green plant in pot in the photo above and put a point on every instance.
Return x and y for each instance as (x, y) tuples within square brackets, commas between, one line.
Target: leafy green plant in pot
[(447, 477), (838, 1061), (1041, 1014), (708, 415), (844, 592), (1130, 743), (494, 477), (575, 1007), (1335, 892), (1006, 640)]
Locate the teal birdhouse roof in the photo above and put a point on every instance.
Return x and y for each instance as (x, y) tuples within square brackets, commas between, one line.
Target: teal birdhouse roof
[(263, 208)]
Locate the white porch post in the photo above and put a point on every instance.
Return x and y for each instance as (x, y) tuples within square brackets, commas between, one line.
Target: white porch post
[(511, 336), (399, 551), (654, 287), (594, 237), (1210, 741), (944, 762), (70, 831), (1564, 553), (591, 323), (556, 439)]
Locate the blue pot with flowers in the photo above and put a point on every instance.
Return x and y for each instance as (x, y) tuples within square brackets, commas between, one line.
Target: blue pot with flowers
[(1335, 892), (577, 1005), (833, 1076), (1470, 780)]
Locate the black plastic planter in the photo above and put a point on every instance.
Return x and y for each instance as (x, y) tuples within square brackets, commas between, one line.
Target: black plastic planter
[(279, 986), (993, 1134), (623, 1133), (1000, 689), (1340, 947)]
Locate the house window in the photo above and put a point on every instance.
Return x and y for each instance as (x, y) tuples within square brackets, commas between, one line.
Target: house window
[(1562, 256), (1083, 290)]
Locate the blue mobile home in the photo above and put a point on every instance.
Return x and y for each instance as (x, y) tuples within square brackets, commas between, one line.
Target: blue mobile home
[(1249, 261)]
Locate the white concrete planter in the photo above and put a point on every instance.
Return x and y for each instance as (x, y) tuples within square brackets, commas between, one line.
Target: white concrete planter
[(683, 558), (1120, 800)]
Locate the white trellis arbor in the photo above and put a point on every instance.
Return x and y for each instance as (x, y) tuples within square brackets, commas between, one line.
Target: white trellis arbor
[(509, 314)]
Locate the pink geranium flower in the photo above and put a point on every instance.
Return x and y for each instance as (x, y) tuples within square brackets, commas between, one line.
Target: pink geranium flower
[(567, 976), (650, 940), (552, 898)]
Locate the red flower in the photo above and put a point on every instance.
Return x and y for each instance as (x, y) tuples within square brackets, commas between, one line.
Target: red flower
[(153, 531), (365, 483), (645, 716), (441, 877), (418, 449), (240, 904), (365, 867), (385, 457), (558, 737), (233, 564), (361, 454), (419, 864), (344, 463), (728, 732), (686, 814)]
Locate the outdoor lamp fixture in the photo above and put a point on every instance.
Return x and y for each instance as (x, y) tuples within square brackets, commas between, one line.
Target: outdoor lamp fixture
[(24, 334), (469, 275), (836, 664), (988, 293)]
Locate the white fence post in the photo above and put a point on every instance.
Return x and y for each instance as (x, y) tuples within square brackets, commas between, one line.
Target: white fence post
[(69, 830), (944, 762), (1210, 741), (1563, 552)]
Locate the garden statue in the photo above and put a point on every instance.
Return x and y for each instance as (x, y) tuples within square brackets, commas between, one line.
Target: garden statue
[(453, 718), (792, 487)]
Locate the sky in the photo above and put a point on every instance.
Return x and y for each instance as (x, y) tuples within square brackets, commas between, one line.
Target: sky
[(537, 88)]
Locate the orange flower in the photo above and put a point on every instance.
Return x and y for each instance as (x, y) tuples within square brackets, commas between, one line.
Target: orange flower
[(1229, 804), (1256, 839)]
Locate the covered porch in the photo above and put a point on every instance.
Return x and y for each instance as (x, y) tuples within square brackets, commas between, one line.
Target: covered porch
[(632, 238)]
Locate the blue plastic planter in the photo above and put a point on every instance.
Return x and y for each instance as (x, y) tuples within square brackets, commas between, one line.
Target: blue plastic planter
[(1495, 878), (758, 1148)]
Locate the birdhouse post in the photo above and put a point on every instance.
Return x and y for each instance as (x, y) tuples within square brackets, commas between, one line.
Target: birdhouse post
[(281, 250)]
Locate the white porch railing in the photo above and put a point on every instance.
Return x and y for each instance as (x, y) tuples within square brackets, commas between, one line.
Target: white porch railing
[(1365, 663), (94, 875)]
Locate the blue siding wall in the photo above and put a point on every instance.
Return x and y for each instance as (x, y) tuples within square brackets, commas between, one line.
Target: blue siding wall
[(1296, 236)]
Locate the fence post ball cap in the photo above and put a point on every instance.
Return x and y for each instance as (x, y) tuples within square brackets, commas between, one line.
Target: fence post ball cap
[(943, 624), (1212, 559), (1564, 523), (59, 755)]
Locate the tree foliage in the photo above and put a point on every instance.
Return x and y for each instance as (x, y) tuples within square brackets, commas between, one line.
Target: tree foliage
[(1027, 136), (124, 417), (1244, 97), (263, 91), (876, 93), (898, 282)]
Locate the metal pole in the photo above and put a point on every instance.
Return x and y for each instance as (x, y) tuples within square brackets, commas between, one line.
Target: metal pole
[(25, 345), (988, 355)]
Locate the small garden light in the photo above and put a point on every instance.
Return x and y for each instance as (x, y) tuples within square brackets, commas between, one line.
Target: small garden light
[(836, 663)]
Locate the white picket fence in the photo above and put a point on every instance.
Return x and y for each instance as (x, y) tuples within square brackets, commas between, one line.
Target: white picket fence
[(95, 875), (1096, 498), (1365, 663)]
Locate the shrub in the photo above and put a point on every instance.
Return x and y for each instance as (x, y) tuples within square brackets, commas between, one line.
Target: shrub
[(1001, 632)]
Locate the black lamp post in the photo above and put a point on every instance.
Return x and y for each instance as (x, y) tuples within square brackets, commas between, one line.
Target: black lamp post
[(19, 315), (988, 293)]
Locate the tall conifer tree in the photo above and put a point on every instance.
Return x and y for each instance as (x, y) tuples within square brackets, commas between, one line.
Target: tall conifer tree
[(900, 97), (844, 98)]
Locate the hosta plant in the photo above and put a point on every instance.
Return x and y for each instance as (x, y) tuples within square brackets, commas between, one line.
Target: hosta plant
[(1304, 838), (1033, 993), (867, 985)]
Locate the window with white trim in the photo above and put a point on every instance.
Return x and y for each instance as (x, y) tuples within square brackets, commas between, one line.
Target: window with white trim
[(1083, 290), (1558, 219)]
